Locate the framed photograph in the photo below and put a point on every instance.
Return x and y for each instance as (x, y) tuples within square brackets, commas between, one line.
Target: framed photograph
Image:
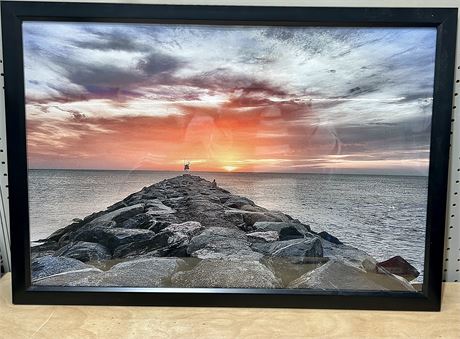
[(228, 156)]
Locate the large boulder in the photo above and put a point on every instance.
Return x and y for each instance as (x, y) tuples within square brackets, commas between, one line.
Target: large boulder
[(150, 272), (49, 265), (226, 274), (297, 250), (335, 275), (399, 266), (84, 251), (222, 243), (82, 277), (112, 237)]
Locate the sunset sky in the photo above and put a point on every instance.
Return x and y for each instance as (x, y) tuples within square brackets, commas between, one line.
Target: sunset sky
[(228, 98)]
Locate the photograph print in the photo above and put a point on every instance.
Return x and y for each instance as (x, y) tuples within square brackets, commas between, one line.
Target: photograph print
[(228, 156)]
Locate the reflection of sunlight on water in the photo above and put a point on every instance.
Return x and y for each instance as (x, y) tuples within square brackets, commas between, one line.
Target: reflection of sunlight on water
[(382, 215)]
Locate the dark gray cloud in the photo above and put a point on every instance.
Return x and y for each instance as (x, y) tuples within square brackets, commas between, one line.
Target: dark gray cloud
[(115, 40), (156, 63)]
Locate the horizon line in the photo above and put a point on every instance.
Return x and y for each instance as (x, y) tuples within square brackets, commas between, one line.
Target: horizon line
[(226, 172)]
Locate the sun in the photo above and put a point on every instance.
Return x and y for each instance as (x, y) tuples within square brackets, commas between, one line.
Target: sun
[(230, 168)]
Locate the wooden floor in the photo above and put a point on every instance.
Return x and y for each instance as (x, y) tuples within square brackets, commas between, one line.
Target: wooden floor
[(168, 322)]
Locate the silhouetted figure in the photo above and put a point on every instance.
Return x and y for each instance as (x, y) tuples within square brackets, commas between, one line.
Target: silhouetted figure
[(187, 166), (214, 183)]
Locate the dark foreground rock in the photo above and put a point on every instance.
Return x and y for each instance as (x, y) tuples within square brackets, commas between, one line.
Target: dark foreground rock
[(84, 251), (189, 232), (399, 266)]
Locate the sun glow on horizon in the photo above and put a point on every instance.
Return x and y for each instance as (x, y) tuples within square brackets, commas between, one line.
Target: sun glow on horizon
[(230, 168)]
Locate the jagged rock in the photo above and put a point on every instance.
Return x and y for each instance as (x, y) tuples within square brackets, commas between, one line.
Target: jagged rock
[(142, 220), (116, 217), (48, 265), (268, 236), (227, 274), (399, 266), (222, 243), (297, 250), (84, 251), (171, 241), (112, 237), (83, 277), (156, 207), (330, 238), (335, 275), (279, 226)]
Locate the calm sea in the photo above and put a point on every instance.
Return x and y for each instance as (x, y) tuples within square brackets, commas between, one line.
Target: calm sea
[(382, 215)]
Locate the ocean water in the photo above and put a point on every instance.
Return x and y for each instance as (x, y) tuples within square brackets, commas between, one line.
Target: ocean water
[(382, 215)]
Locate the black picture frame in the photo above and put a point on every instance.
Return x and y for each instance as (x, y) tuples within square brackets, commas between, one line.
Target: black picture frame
[(445, 21)]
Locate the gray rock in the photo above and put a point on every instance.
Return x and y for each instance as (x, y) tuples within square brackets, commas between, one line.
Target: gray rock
[(226, 274), (335, 275), (83, 277), (48, 265), (238, 202), (84, 251), (287, 271), (113, 218), (186, 229), (151, 272), (279, 226), (141, 220), (346, 254), (41, 250), (250, 218), (170, 241), (297, 250), (222, 243), (155, 207), (267, 236), (112, 237)]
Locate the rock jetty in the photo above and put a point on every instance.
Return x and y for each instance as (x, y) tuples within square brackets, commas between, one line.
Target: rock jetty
[(189, 232)]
